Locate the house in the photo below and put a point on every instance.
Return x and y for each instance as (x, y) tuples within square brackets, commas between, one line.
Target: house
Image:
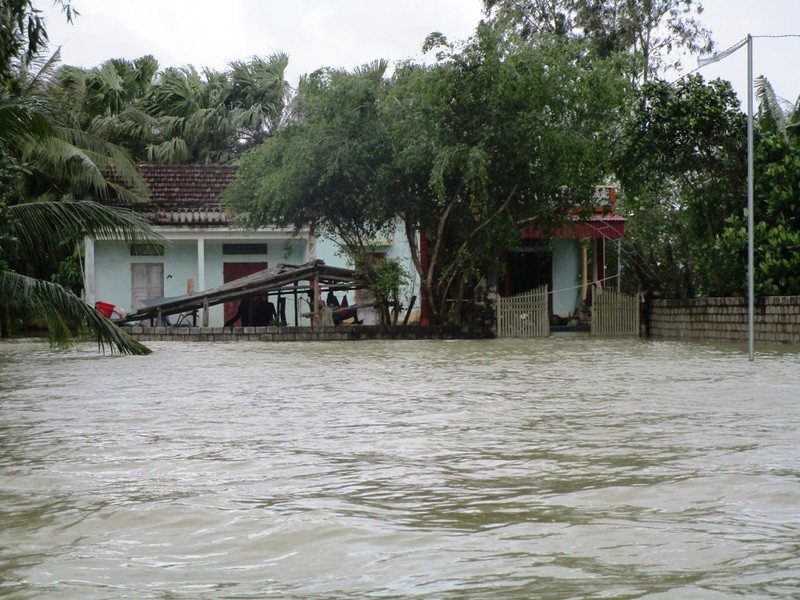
[(201, 250), (572, 263)]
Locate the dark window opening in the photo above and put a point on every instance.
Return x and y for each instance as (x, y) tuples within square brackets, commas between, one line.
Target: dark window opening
[(147, 250), (244, 248)]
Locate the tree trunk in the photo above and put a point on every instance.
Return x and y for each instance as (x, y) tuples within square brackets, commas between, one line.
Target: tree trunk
[(5, 321)]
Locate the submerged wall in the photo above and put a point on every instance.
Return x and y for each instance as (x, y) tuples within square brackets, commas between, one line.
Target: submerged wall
[(776, 319), (298, 334)]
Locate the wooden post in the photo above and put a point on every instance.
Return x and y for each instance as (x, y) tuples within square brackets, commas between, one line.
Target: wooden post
[(584, 273), (424, 261), (205, 312), (296, 310), (410, 307), (316, 301)]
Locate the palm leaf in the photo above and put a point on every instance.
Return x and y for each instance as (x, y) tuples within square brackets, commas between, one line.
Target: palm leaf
[(171, 152), (61, 310), (39, 226), (17, 123), (773, 111), (46, 67), (108, 158), (81, 163)]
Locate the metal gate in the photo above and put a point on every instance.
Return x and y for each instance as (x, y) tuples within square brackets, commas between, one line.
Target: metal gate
[(523, 315), (615, 314)]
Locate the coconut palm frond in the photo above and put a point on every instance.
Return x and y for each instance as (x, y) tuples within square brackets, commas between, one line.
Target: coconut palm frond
[(37, 224), (375, 69), (107, 158), (171, 152), (17, 123), (46, 67), (773, 111), (59, 160), (85, 164), (60, 309)]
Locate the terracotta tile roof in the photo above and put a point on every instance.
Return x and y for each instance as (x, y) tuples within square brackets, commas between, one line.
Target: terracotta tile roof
[(187, 186), (186, 194)]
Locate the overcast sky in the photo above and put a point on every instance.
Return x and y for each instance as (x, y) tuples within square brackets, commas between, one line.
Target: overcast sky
[(349, 33)]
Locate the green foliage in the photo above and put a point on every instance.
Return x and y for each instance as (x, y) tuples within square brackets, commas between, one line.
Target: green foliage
[(327, 170), (45, 164), (649, 32), (388, 281), (23, 35), (179, 115), (682, 169), (495, 136), (777, 222), (776, 250), (779, 260), (684, 178), (464, 153), (70, 270)]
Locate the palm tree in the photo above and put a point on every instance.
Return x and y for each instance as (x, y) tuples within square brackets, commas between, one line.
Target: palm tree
[(192, 117), (53, 179), (776, 114), (180, 115), (109, 101), (260, 98), (213, 116)]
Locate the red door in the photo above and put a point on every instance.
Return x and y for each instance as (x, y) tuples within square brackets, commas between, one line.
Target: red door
[(236, 270)]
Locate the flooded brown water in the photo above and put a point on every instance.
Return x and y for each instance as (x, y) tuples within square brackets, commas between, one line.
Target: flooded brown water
[(559, 468)]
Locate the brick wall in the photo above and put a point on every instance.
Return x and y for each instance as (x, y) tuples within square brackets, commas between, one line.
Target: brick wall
[(776, 319), (297, 334)]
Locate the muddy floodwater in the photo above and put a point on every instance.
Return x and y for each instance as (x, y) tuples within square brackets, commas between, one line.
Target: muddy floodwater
[(560, 468)]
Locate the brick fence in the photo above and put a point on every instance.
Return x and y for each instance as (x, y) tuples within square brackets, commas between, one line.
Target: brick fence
[(776, 319), (298, 334)]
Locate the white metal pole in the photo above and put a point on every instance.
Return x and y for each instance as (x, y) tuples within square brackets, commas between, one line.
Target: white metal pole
[(750, 284)]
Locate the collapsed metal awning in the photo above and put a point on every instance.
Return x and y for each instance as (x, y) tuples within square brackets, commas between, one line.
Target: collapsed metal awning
[(280, 279)]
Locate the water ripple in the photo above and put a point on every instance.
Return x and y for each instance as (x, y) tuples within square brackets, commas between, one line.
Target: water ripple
[(557, 468)]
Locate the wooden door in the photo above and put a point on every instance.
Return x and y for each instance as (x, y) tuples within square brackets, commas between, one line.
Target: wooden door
[(236, 270), (147, 281)]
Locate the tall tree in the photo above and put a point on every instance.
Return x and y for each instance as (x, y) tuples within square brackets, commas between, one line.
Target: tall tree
[(683, 173), (496, 137), (776, 204), (179, 115), (50, 175), (324, 170), (650, 31), (260, 98), (464, 153), (108, 101)]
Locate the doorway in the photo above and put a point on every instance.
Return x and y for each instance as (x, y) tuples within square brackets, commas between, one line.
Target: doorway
[(236, 270), (147, 281)]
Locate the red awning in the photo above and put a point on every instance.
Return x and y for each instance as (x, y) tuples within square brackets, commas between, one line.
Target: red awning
[(610, 227)]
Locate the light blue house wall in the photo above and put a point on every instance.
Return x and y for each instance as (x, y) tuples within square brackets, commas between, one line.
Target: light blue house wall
[(396, 246), (192, 261), (186, 207), (193, 265), (566, 276)]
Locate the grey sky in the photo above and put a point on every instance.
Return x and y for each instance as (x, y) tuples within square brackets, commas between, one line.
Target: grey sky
[(348, 33)]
